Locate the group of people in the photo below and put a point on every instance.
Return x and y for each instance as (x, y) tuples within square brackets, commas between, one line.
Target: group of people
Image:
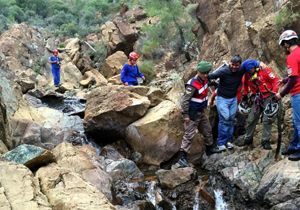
[(130, 73), (251, 83), (260, 98)]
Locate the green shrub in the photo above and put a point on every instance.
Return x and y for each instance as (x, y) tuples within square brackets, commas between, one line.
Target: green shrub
[(100, 53), (37, 67), (69, 29), (62, 45), (285, 18), (147, 68), (3, 23), (173, 30), (149, 47)]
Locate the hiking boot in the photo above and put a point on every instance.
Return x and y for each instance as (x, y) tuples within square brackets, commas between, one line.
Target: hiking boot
[(289, 151), (181, 163), (208, 150), (229, 145), (218, 149), (266, 145), (295, 156)]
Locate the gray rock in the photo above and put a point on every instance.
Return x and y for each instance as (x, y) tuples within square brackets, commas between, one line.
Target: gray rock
[(124, 169), (30, 156)]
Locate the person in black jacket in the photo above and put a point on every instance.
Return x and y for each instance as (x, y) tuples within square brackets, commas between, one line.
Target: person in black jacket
[(230, 77)]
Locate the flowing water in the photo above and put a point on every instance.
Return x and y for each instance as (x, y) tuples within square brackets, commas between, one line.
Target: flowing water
[(68, 105), (220, 203), (196, 201)]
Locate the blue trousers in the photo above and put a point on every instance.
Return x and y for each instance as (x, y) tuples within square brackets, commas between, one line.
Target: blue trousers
[(295, 143), (227, 108), (56, 76), (133, 83)]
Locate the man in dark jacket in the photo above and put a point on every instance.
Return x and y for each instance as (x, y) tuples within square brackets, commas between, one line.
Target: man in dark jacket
[(194, 104), (230, 79)]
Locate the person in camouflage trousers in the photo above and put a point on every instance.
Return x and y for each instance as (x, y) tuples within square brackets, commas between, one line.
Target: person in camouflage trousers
[(194, 105)]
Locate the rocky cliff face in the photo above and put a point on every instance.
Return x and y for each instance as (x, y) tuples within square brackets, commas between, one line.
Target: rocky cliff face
[(242, 27)]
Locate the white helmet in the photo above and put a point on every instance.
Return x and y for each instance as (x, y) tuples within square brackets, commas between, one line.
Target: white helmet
[(287, 35), (244, 108), (271, 109)]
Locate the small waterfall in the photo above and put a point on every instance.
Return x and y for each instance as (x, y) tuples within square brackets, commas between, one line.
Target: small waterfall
[(196, 201), (151, 193), (220, 203), (68, 105)]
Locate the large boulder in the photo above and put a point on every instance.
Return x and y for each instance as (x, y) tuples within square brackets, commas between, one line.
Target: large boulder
[(93, 77), (110, 109), (172, 178), (70, 74), (30, 156), (19, 189), (155, 96), (110, 34), (258, 177), (113, 64), (127, 31), (83, 161), (3, 126), (67, 190), (157, 136), (279, 184), (22, 45), (43, 127), (123, 169), (73, 49)]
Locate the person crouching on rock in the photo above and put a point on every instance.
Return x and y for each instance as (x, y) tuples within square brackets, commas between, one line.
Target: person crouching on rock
[(130, 73)]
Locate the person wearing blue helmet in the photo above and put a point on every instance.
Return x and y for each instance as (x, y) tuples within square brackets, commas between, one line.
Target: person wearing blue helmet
[(263, 84)]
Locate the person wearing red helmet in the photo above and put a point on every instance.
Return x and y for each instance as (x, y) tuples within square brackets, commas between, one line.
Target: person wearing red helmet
[(289, 41), (130, 72), (55, 67)]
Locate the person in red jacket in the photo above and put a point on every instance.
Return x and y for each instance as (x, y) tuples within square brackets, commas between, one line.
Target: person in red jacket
[(290, 42), (264, 84)]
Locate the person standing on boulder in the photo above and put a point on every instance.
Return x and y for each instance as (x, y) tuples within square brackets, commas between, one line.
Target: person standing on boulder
[(262, 83), (194, 105), (230, 79), (55, 67), (130, 73), (289, 41)]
